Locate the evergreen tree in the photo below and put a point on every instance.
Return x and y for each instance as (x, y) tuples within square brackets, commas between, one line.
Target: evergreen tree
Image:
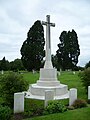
[(54, 61), (87, 65), (16, 65), (32, 50), (4, 64), (68, 51)]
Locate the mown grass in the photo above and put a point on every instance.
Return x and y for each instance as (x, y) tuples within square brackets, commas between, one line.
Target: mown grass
[(77, 114), (73, 81), (30, 77)]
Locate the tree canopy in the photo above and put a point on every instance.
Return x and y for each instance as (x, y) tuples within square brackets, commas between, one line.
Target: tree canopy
[(68, 50), (87, 65), (16, 65), (4, 64), (32, 50)]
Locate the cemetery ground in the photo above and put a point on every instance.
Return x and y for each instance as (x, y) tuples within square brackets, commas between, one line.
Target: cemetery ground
[(73, 81), (77, 114), (68, 78)]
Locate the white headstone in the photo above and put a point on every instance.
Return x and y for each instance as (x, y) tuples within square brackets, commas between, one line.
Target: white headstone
[(33, 71), (58, 73), (60, 70), (2, 72), (88, 92), (72, 96), (74, 72), (18, 102), (49, 95)]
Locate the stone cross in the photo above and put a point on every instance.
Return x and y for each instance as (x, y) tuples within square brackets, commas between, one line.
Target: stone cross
[(48, 63)]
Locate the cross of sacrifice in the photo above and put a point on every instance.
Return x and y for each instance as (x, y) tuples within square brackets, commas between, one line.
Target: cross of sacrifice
[(48, 39)]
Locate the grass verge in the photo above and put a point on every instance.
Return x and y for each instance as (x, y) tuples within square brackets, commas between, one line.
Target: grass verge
[(77, 114)]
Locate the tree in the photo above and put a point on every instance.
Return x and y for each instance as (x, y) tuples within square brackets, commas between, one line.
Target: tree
[(87, 65), (4, 64), (16, 65), (68, 51), (32, 50), (54, 61), (85, 77)]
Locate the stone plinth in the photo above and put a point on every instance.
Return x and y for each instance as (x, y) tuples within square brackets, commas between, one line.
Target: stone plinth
[(48, 81), (34, 89), (48, 78)]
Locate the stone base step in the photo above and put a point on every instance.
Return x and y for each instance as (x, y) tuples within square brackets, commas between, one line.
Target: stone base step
[(35, 89), (53, 83), (30, 96)]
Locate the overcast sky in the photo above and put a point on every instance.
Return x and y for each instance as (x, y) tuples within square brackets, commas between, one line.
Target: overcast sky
[(17, 16)]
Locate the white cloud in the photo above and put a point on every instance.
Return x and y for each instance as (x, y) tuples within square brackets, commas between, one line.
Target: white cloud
[(16, 17)]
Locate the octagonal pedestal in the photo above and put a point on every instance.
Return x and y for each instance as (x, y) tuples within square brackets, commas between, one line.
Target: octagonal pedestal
[(47, 81)]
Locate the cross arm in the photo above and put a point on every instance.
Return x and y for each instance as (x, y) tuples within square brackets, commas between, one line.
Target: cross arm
[(44, 23), (52, 24)]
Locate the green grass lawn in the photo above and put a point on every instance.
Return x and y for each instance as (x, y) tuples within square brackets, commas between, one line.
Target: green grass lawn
[(30, 77), (73, 81), (77, 114)]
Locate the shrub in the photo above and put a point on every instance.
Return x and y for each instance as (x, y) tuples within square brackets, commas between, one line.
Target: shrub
[(85, 77), (54, 107), (79, 103), (33, 112), (35, 108), (5, 113), (10, 84), (28, 113)]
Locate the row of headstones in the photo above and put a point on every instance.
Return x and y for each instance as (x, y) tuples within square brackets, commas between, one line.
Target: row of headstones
[(33, 71), (49, 95), (59, 73)]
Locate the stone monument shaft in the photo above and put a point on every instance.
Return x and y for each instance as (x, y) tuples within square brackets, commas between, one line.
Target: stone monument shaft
[(48, 63), (48, 85)]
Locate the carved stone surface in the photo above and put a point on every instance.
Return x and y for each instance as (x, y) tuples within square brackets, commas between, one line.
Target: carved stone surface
[(48, 74), (88, 92), (72, 96), (18, 102)]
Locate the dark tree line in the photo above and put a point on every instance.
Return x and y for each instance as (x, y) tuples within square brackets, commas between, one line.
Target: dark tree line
[(13, 65), (4, 64)]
